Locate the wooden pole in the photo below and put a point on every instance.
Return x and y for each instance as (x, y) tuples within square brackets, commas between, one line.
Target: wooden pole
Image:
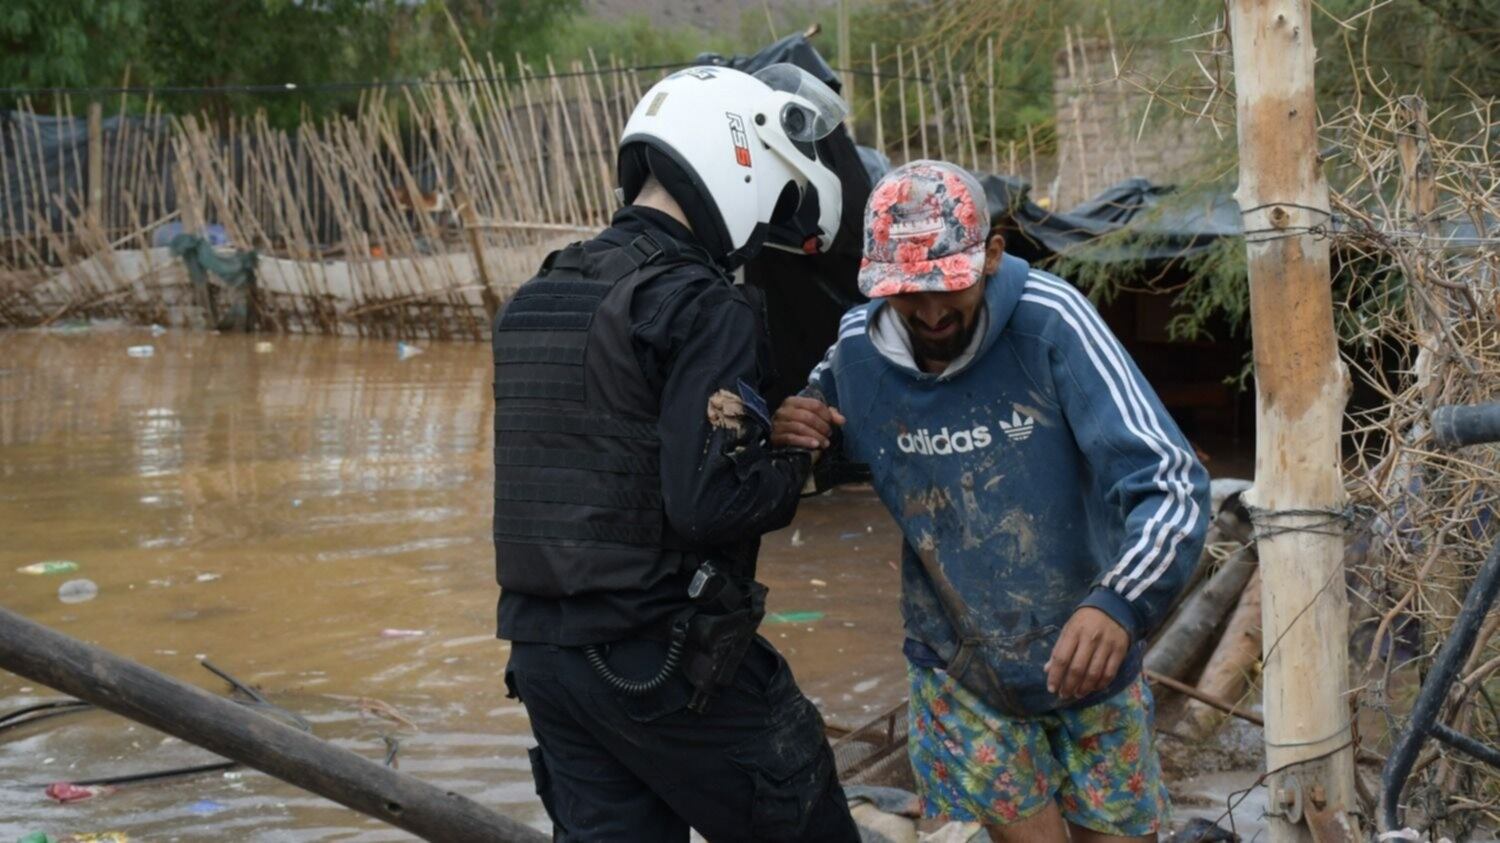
[(994, 145), (96, 163), (901, 103), (1301, 389), (916, 63), (937, 110), (1420, 192), (131, 690), (875, 99), (845, 69), (1031, 153), (1076, 97)]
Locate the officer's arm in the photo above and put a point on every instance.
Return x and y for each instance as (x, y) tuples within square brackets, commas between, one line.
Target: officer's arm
[(719, 482)]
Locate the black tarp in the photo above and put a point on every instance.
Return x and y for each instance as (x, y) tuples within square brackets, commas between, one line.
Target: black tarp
[(46, 157), (1149, 227)]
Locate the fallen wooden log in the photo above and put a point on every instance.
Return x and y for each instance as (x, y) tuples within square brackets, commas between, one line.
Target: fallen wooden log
[(1233, 665), (1230, 525), (1190, 633), (132, 690)]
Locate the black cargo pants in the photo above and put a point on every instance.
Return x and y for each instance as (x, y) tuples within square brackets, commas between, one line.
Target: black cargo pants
[(755, 767)]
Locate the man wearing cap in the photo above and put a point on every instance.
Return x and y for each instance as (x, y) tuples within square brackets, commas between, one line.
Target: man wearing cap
[(1051, 512)]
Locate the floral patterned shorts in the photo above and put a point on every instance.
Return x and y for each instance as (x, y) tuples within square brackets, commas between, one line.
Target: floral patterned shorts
[(1098, 763)]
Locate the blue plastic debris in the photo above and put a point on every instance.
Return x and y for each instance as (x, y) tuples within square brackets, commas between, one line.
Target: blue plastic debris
[(205, 807)]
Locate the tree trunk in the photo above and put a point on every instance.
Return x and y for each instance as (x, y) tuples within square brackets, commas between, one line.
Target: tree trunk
[(1301, 388)]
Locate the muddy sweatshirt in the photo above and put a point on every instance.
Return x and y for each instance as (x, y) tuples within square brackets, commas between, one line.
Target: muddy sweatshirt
[(1042, 476)]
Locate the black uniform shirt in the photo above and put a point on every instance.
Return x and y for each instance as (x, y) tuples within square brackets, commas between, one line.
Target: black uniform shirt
[(695, 333)]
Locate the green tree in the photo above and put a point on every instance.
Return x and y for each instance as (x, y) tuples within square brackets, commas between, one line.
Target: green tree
[(45, 44)]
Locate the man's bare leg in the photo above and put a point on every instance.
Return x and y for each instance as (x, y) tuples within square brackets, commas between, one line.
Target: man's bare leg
[(1045, 826), (1084, 835)]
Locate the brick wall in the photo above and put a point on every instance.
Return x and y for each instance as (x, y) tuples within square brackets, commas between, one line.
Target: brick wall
[(1098, 119)]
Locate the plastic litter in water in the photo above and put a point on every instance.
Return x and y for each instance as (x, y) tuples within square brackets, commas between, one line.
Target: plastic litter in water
[(77, 591), (406, 352), (264, 347), (35, 837), (141, 350), (848, 536), (97, 837), (204, 807), (206, 577), (157, 330), (66, 792), (794, 617), (818, 583), (797, 538), (51, 566), (402, 633)]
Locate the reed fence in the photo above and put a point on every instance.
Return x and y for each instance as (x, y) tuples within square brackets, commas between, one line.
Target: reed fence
[(412, 215)]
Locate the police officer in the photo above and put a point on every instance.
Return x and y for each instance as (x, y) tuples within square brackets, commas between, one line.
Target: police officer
[(633, 478)]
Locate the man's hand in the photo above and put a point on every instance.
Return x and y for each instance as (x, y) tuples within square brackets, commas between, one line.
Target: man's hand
[(1088, 654), (802, 422)]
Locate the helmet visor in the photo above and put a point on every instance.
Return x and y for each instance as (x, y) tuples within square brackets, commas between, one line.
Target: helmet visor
[(815, 112)]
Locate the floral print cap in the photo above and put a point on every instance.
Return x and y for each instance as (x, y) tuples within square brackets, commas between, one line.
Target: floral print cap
[(925, 230)]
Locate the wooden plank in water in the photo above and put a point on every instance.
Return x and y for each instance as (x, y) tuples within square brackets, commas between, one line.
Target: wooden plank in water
[(132, 690)]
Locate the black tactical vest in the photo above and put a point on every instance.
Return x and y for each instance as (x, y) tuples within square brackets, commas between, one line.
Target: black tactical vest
[(578, 505)]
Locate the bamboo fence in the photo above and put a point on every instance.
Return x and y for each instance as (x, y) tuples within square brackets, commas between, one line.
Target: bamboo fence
[(413, 215)]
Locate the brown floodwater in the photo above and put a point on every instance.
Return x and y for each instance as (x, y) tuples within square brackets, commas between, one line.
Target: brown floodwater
[(297, 512)]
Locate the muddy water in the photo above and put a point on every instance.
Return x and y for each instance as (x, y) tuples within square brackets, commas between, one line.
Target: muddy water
[(278, 511)]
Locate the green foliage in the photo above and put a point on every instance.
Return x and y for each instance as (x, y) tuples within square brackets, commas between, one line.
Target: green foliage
[(46, 43), (189, 43), (634, 39)]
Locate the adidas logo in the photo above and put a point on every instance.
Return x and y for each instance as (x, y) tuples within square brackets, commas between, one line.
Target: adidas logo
[(943, 443), (1020, 427)]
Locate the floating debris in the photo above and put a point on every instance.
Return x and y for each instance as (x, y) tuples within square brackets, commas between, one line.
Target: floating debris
[(818, 583), (797, 538), (51, 566), (207, 807), (141, 350), (794, 617), (406, 351), (77, 591), (207, 577), (402, 633), (264, 347), (66, 792)]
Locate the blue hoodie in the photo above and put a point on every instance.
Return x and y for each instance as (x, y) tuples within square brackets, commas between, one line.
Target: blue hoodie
[(1042, 477)]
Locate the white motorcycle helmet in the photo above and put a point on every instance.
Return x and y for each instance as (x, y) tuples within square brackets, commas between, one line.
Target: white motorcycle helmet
[(736, 151)]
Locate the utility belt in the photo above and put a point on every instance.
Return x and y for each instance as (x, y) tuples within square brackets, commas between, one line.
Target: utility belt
[(706, 641)]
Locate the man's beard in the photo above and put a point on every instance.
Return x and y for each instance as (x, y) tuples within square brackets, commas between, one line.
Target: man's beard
[(944, 350)]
